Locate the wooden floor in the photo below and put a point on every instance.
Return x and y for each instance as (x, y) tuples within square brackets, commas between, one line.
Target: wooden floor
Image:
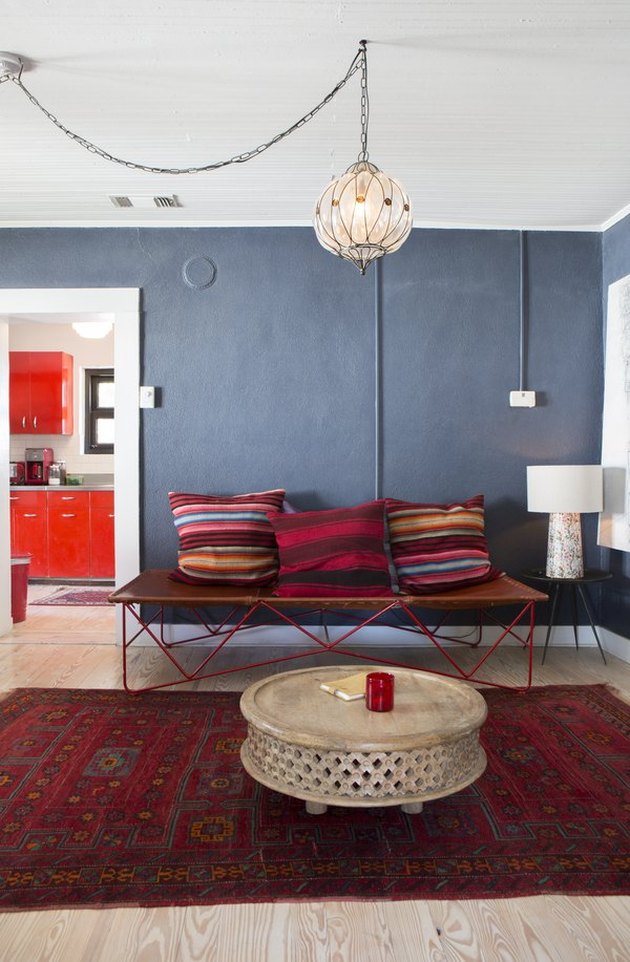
[(73, 648)]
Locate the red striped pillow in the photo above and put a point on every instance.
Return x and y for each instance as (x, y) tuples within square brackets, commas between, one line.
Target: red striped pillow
[(226, 541), (438, 546), (336, 553)]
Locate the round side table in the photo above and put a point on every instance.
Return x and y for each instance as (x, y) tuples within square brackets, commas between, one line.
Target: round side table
[(304, 742), (577, 589)]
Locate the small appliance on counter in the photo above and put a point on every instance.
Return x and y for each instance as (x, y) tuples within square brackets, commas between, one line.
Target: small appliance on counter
[(57, 472), (38, 461), (17, 472)]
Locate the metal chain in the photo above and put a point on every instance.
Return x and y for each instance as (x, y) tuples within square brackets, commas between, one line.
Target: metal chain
[(365, 103), (359, 63)]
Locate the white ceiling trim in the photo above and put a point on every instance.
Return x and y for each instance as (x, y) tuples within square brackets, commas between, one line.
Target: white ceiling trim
[(616, 218), (190, 222)]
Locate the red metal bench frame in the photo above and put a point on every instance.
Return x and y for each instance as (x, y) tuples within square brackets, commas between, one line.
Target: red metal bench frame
[(154, 589)]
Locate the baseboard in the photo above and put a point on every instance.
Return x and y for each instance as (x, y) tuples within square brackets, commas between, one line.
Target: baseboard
[(615, 644), (373, 636)]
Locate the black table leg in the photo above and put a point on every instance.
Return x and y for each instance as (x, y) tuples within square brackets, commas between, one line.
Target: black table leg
[(552, 619), (583, 596), (574, 604)]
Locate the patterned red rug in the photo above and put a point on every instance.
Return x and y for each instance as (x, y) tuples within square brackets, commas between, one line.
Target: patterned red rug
[(75, 595), (113, 799)]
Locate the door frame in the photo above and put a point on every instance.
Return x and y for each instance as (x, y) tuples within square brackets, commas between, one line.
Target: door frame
[(124, 304)]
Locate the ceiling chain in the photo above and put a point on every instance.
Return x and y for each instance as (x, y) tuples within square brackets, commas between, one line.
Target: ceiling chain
[(358, 63), (365, 103)]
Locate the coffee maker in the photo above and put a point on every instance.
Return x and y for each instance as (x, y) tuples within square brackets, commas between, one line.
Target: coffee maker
[(38, 461)]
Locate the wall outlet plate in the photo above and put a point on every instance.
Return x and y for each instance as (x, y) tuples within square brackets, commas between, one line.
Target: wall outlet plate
[(522, 399)]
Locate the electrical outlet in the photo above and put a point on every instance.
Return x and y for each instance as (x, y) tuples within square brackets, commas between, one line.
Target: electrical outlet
[(147, 397), (522, 399)]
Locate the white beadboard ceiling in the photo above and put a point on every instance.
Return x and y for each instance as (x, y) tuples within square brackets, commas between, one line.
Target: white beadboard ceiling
[(493, 113)]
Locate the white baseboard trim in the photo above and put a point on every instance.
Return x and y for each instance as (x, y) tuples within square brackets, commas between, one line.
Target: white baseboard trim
[(615, 644), (285, 636)]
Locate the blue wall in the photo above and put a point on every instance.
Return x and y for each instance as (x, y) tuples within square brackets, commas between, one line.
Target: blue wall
[(267, 377), (615, 613)]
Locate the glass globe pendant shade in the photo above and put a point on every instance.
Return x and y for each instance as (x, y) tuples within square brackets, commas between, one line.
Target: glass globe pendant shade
[(363, 215)]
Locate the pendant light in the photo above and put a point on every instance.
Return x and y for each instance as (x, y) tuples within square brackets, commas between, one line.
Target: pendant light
[(365, 213)]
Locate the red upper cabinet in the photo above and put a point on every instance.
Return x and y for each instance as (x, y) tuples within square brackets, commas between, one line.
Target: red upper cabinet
[(40, 392)]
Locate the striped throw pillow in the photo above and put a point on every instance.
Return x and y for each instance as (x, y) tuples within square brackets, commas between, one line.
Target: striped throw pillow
[(336, 553), (439, 546), (227, 541)]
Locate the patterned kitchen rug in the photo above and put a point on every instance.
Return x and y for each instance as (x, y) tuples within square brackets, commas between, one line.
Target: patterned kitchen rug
[(111, 799), (75, 595)]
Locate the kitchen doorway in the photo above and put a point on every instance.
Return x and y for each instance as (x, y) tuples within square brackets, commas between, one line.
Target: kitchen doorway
[(123, 304)]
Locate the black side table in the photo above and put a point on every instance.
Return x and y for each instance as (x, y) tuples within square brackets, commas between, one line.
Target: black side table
[(577, 588)]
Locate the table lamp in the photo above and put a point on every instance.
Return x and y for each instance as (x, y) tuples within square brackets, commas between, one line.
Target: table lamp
[(565, 491)]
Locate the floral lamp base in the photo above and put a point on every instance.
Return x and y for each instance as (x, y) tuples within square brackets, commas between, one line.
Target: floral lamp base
[(564, 547)]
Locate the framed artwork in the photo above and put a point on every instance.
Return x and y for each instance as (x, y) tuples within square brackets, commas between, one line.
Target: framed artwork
[(614, 522)]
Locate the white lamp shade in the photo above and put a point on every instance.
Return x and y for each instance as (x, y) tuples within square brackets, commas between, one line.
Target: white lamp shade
[(565, 488)]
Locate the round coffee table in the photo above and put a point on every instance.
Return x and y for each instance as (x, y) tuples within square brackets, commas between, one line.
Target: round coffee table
[(304, 742)]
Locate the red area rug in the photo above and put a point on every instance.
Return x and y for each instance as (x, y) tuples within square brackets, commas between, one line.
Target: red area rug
[(77, 595), (113, 799)]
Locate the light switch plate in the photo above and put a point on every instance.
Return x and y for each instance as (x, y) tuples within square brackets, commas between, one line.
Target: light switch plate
[(147, 397)]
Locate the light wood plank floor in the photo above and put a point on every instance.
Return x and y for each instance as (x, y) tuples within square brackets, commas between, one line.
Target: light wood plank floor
[(56, 648)]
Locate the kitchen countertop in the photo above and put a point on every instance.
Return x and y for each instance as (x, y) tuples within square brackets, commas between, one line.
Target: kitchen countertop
[(87, 486)]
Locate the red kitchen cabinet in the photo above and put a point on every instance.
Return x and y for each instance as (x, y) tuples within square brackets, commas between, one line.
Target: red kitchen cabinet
[(68, 535), (102, 534), (40, 392), (29, 529)]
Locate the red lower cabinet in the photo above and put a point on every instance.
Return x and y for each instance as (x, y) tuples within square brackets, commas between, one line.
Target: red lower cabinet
[(102, 534), (68, 535), (29, 529)]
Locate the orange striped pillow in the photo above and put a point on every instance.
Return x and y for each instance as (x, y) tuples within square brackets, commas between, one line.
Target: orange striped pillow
[(438, 546), (226, 541)]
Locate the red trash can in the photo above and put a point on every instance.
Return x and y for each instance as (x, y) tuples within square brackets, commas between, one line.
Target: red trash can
[(20, 566)]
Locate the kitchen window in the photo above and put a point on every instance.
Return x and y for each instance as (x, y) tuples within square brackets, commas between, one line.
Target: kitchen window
[(99, 411)]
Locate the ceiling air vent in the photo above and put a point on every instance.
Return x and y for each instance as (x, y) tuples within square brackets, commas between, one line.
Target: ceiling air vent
[(171, 201), (146, 203)]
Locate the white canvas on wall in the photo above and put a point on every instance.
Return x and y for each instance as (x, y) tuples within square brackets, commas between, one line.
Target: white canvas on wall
[(614, 523)]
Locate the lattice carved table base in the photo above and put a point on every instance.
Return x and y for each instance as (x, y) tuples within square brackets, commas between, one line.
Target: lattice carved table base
[(371, 778)]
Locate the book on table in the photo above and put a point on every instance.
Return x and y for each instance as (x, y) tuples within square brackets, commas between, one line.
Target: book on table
[(350, 688)]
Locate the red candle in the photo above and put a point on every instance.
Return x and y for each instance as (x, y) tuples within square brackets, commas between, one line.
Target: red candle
[(379, 691)]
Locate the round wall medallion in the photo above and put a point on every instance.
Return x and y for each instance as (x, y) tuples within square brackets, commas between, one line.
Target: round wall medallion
[(199, 272)]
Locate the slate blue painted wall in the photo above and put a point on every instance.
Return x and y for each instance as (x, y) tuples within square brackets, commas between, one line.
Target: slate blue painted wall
[(615, 613), (267, 377)]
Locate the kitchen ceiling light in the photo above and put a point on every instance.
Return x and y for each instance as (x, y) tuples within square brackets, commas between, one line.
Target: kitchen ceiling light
[(360, 216), (92, 329)]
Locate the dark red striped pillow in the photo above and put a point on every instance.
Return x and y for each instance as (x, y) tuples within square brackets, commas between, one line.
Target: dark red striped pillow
[(336, 553), (439, 546)]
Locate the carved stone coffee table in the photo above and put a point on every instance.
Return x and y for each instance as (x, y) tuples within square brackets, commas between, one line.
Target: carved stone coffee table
[(306, 743)]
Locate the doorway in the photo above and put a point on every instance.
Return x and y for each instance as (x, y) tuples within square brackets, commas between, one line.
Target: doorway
[(123, 304)]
